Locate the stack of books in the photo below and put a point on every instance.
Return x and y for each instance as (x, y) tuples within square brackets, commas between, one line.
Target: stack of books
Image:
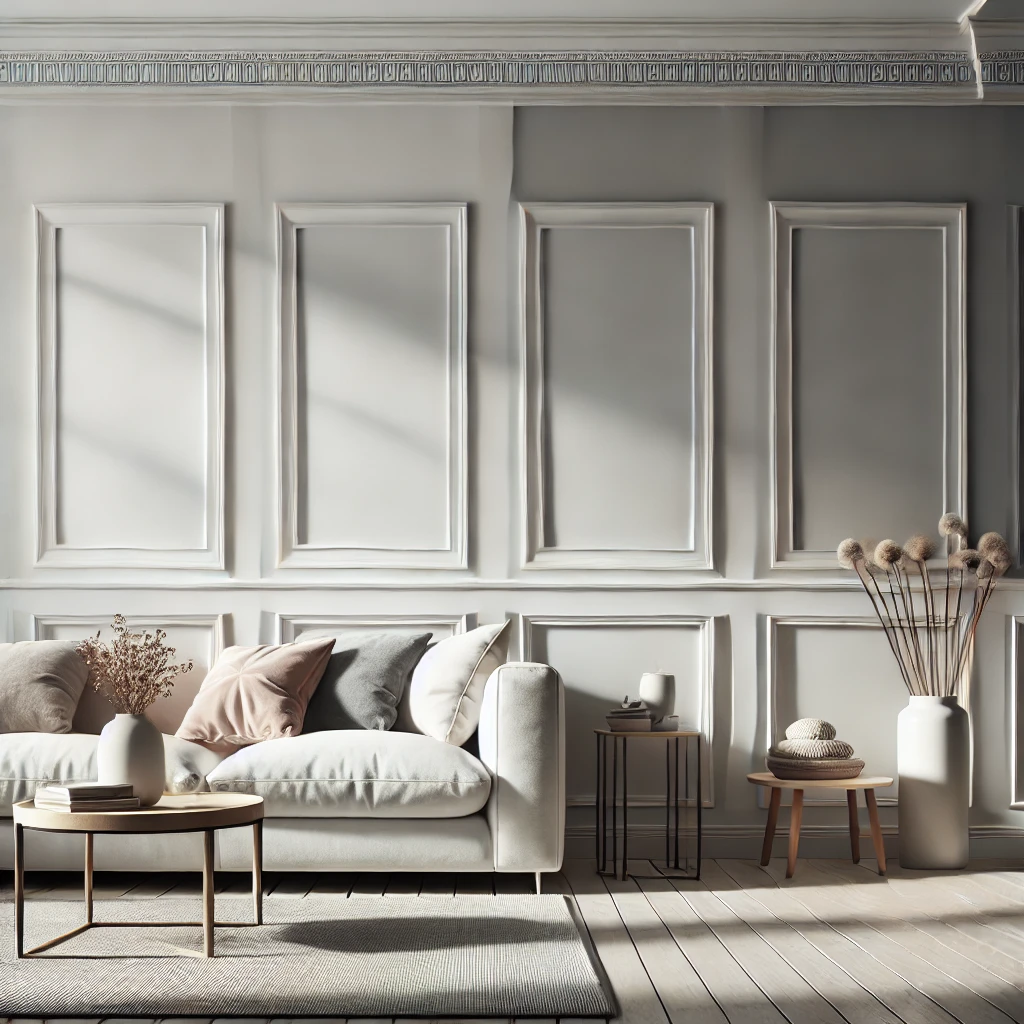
[(631, 716), (77, 797)]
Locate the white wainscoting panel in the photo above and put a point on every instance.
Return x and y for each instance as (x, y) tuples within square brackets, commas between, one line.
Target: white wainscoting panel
[(196, 637), (600, 659), (1016, 737), (372, 385), (289, 627), (841, 670), (615, 308), (130, 415), (869, 363)]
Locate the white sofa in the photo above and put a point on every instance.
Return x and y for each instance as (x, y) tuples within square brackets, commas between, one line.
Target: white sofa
[(343, 801)]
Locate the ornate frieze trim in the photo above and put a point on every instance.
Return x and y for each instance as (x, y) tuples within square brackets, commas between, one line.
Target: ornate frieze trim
[(1002, 67), (488, 70)]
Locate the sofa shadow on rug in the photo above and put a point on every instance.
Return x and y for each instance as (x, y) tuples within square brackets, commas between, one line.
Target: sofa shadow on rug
[(414, 934)]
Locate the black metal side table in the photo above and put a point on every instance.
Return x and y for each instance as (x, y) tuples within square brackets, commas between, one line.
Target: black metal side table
[(673, 795)]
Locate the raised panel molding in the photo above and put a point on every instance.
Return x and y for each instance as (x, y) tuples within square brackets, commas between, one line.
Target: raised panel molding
[(950, 220), (289, 626), (1016, 744), (704, 624), (776, 729), (165, 713), (49, 220), (1015, 313), (292, 551), (536, 218)]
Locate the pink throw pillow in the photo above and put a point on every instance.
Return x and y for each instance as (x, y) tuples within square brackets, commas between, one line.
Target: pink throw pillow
[(255, 693)]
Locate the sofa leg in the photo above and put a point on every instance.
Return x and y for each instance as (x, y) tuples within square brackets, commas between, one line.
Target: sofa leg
[(538, 882)]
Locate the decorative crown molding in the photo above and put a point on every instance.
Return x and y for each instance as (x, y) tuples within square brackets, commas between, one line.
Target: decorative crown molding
[(453, 72)]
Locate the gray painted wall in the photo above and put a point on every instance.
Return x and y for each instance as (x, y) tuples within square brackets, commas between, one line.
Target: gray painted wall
[(615, 471)]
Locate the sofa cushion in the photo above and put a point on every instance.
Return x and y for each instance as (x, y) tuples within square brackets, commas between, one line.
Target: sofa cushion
[(364, 680), (447, 686), (255, 693), (41, 682), (30, 760), (357, 774)]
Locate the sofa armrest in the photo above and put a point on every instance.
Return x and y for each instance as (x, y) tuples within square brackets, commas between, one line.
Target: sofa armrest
[(522, 743)]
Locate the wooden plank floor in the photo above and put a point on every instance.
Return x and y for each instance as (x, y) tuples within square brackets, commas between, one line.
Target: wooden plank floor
[(743, 945)]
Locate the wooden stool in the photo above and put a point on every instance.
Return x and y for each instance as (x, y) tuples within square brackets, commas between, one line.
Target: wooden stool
[(868, 783)]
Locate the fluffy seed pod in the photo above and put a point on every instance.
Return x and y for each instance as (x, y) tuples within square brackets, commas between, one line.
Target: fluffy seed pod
[(951, 525), (968, 560), (849, 553), (986, 569), (888, 554), (919, 548)]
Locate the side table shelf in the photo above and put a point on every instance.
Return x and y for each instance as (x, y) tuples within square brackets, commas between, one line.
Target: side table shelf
[(608, 797)]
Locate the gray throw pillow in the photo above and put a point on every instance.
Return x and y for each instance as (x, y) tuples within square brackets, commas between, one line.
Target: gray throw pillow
[(364, 681), (41, 682)]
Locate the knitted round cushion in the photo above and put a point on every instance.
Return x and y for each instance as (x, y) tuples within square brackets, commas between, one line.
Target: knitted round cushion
[(811, 749), (811, 729), (828, 768)]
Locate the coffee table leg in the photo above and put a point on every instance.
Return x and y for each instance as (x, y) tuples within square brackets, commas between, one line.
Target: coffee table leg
[(88, 877), (876, 829), (794, 830), (208, 892), (851, 802), (769, 830), (257, 872), (19, 890)]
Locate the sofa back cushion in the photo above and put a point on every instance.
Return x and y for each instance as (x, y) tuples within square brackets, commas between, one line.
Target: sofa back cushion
[(447, 686), (41, 682), (357, 774), (255, 693), (364, 680)]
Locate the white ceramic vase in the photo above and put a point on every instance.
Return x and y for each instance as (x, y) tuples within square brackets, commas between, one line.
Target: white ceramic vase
[(658, 692), (934, 763), (131, 751)]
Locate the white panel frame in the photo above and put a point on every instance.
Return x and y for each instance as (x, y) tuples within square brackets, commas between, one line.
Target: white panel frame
[(214, 623), (773, 622), (951, 220), (534, 219), (49, 218), (288, 626), (291, 553), (706, 626), (1016, 744)]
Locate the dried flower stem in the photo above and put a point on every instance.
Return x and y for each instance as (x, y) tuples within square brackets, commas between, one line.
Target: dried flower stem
[(134, 670)]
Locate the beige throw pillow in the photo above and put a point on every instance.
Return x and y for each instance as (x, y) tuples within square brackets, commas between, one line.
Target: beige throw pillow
[(41, 682), (255, 693), (447, 686)]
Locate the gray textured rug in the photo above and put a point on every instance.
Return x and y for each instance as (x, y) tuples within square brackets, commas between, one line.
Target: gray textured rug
[(476, 956)]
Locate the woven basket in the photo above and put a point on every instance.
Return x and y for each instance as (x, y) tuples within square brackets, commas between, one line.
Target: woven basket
[(822, 769)]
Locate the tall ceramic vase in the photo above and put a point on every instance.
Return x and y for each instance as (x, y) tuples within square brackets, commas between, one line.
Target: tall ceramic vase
[(934, 761), (131, 750)]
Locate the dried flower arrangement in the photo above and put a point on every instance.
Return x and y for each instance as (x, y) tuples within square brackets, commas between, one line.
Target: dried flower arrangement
[(133, 671), (938, 668)]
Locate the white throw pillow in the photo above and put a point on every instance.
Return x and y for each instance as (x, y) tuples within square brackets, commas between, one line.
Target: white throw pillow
[(187, 764), (444, 695)]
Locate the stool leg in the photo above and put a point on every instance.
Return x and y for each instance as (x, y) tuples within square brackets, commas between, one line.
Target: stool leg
[(794, 830), (851, 800), (769, 829), (876, 829)]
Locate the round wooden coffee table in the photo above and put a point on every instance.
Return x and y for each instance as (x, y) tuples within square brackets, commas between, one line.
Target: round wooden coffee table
[(197, 812), (868, 783)]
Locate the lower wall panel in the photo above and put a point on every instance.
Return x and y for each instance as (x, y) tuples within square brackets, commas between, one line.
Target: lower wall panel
[(731, 679)]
